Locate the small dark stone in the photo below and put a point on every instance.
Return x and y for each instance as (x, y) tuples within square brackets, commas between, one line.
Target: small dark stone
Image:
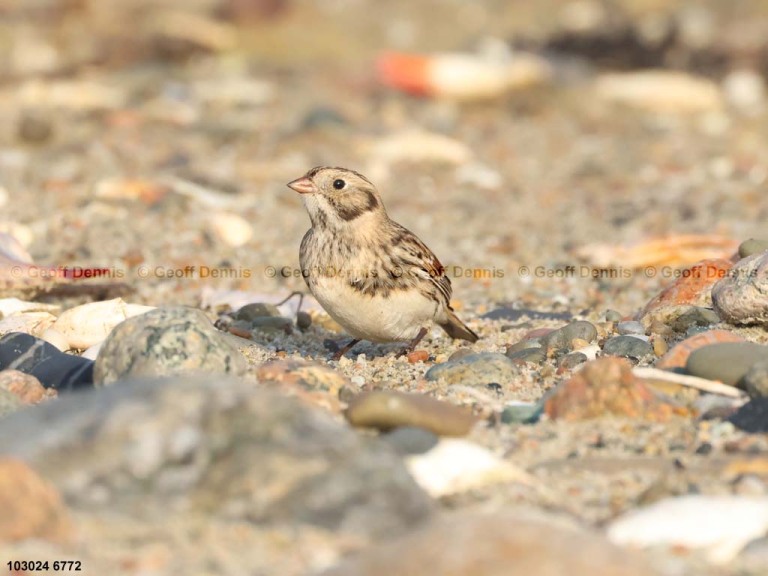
[(303, 320), (627, 347), (752, 417), (704, 448), (321, 117), (629, 327), (523, 345), (696, 316), (522, 413), (53, 368)]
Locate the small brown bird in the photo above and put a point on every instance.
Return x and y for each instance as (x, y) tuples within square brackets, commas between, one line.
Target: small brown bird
[(372, 275)]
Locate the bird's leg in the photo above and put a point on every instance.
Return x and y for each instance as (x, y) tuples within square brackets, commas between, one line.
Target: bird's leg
[(344, 349), (412, 344)]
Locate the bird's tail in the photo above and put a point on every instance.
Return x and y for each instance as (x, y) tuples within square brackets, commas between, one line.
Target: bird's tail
[(455, 328)]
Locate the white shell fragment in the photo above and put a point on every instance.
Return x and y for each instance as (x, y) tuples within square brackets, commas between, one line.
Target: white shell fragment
[(89, 324), (720, 525), (455, 465), (53, 336)]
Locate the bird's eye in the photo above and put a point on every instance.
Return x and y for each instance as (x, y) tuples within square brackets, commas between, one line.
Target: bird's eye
[(338, 184)]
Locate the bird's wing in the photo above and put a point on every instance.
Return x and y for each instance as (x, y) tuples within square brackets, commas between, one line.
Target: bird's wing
[(419, 259)]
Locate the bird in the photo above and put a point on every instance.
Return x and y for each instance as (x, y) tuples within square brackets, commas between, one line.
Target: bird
[(373, 276)]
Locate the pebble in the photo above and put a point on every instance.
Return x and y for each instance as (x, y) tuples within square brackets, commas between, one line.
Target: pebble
[(387, 410), (303, 320), (417, 356), (517, 314), (455, 465), (251, 312), (32, 507), (165, 342), (678, 356), (521, 413), (475, 370), (752, 417), (420, 146), (755, 381), (48, 364), (742, 296), (692, 318), (727, 362), (524, 344), (718, 525), (562, 338), (298, 373), (408, 440), (9, 306), (495, 543), (660, 91), (572, 360), (752, 246), (88, 324), (628, 347), (629, 327), (613, 316), (26, 388), (534, 355), (606, 387), (56, 338)]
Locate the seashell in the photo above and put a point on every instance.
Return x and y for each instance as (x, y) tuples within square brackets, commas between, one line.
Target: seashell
[(34, 323)]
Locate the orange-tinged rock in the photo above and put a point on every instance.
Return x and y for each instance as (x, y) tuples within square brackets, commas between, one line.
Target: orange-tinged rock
[(693, 287), (607, 387), (418, 356), (678, 356), (27, 388), (31, 507)]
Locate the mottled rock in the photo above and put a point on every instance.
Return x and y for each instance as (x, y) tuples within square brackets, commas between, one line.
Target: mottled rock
[(755, 381), (470, 543), (154, 449), (607, 387), (386, 410), (572, 360), (727, 361), (32, 508), (475, 370), (48, 364), (678, 356), (88, 324), (166, 342), (534, 354), (27, 388), (742, 296), (627, 347)]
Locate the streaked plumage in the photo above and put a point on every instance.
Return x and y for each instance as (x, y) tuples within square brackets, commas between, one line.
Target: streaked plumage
[(372, 275)]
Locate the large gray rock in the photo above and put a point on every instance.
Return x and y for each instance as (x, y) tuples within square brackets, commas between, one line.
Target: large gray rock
[(214, 448), (166, 342)]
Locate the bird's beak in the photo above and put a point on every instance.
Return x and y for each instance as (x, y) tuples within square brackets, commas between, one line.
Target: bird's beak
[(303, 185)]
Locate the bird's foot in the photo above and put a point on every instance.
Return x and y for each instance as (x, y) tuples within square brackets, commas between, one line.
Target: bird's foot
[(338, 352), (413, 343)]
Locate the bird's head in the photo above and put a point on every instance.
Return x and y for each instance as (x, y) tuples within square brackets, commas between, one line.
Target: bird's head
[(338, 198)]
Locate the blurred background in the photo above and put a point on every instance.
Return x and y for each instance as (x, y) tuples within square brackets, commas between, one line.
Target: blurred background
[(160, 133)]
